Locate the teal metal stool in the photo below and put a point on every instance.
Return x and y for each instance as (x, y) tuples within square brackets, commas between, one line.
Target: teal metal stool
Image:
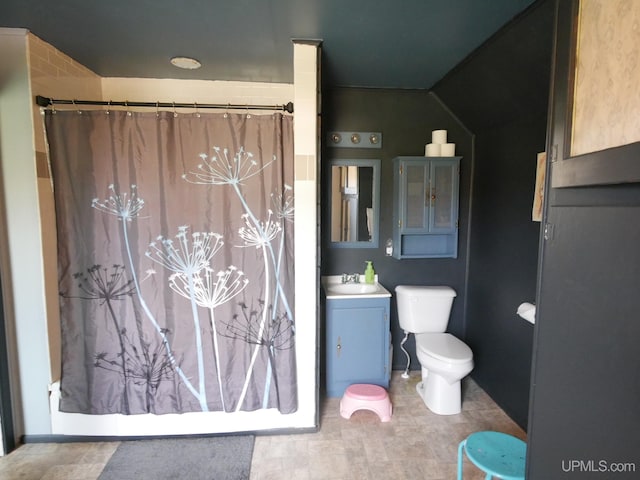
[(497, 454)]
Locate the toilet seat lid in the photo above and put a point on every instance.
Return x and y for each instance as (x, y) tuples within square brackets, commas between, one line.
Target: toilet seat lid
[(444, 347)]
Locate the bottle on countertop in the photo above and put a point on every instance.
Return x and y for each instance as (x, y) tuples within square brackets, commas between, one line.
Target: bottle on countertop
[(369, 273)]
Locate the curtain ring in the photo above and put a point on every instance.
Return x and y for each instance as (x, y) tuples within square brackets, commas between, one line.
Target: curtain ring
[(226, 112), (53, 107), (175, 114), (247, 108), (73, 102), (126, 105), (157, 109), (108, 111), (195, 104)]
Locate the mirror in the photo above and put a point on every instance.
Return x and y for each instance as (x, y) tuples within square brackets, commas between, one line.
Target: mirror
[(354, 200)]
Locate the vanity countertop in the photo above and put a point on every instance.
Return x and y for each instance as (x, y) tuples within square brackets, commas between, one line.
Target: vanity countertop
[(334, 288)]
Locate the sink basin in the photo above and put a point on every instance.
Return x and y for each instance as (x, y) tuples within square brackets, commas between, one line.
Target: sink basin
[(335, 289), (352, 288)]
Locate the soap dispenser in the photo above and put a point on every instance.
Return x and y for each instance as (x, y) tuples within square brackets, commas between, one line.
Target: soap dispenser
[(369, 273)]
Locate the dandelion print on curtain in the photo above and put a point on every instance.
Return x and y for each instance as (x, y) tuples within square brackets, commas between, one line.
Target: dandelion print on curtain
[(175, 261)]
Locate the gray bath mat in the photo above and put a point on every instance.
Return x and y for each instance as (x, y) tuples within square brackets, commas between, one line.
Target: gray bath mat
[(210, 458)]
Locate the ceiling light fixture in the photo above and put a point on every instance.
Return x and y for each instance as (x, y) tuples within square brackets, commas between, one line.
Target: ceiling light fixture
[(186, 62)]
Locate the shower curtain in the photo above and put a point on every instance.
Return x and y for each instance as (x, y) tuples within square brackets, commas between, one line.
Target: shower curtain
[(175, 261)]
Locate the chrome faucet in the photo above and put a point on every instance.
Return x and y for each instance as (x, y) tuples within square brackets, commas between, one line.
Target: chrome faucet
[(351, 278)]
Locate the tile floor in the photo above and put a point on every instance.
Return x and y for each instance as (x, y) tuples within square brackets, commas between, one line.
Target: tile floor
[(415, 444)]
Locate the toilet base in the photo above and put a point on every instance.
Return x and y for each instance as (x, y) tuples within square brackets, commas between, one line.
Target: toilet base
[(441, 397)]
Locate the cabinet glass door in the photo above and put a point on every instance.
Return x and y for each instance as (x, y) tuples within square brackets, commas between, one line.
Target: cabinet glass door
[(416, 206), (444, 205)]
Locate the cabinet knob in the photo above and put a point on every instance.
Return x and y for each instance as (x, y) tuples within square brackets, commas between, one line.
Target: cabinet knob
[(427, 198), (339, 346)]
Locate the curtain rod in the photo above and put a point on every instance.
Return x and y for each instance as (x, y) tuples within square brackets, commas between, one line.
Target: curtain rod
[(46, 102)]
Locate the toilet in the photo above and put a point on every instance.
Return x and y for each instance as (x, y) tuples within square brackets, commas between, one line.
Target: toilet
[(445, 360)]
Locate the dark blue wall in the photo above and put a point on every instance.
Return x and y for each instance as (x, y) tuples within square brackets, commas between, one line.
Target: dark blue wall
[(406, 119), (501, 94)]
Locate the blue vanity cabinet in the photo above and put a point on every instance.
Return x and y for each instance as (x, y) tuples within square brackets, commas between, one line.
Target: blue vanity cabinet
[(425, 207), (358, 340)]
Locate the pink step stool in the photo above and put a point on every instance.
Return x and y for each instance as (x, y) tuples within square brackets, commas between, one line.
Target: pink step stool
[(362, 396)]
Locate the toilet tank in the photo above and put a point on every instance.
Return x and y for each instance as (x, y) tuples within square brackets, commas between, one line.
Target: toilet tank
[(424, 309)]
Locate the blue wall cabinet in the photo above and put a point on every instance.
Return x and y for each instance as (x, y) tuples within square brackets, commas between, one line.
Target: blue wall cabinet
[(425, 207), (358, 341)]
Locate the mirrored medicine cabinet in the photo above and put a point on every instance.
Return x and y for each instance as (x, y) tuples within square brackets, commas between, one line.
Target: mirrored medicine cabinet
[(354, 197)]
